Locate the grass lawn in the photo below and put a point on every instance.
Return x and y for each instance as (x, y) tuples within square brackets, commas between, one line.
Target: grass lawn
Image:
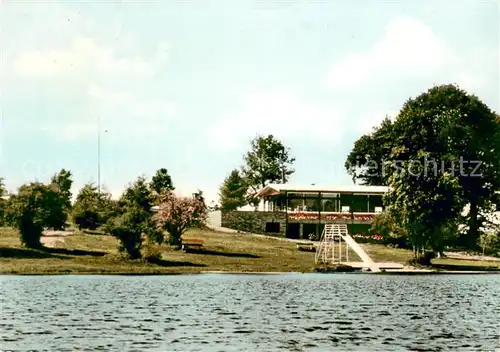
[(84, 253), (91, 253), (463, 262)]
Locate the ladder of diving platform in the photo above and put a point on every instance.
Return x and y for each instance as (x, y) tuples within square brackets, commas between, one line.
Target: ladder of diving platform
[(330, 249)]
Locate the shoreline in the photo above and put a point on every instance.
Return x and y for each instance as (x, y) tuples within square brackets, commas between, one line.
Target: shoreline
[(252, 273)]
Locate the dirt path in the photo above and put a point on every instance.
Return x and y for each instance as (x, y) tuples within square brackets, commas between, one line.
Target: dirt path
[(51, 238), (227, 230)]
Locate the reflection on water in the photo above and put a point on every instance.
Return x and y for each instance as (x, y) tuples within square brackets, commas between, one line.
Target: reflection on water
[(296, 312)]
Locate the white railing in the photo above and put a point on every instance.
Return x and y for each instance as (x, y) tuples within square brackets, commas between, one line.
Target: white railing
[(330, 249)]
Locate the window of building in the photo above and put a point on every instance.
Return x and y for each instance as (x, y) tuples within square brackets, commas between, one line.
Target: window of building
[(376, 201), (359, 203), (312, 201), (331, 205), (330, 202), (272, 227), (279, 202), (293, 230), (295, 203), (346, 200)]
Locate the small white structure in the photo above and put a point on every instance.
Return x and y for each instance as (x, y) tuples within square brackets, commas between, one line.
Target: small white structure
[(334, 247)]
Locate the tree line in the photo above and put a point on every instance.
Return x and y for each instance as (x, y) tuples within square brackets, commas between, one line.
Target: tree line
[(146, 211)]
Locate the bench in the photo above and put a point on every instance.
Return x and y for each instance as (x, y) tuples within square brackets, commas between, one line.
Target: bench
[(306, 247), (192, 245)]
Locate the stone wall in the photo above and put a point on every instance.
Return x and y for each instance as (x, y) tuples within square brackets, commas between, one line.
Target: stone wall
[(253, 221)]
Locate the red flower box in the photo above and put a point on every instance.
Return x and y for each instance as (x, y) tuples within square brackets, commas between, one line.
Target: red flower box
[(303, 216)]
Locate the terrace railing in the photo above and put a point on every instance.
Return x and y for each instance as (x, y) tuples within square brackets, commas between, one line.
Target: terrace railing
[(315, 215)]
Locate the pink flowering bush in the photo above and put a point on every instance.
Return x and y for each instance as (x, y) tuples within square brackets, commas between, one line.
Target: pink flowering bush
[(177, 214)]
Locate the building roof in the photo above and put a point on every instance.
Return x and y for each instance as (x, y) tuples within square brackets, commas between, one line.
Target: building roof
[(273, 189)]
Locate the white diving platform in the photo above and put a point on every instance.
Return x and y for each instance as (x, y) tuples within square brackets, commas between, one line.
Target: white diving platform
[(334, 248)]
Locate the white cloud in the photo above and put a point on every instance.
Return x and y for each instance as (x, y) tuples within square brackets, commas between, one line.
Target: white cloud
[(108, 84), (280, 113), (70, 131), (408, 48), (133, 104), (86, 68), (123, 116), (411, 58), (85, 57)]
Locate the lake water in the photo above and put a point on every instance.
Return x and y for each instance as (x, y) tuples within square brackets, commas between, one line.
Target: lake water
[(292, 312)]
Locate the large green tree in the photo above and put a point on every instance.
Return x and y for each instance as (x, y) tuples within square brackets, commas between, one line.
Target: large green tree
[(56, 211), (461, 133), (233, 191), (92, 208), (425, 208), (267, 161), (33, 208), (445, 130)]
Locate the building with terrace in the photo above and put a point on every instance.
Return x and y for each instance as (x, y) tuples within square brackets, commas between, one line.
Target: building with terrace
[(301, 212)]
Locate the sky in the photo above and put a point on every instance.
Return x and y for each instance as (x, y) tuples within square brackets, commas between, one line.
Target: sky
[(186, 85)]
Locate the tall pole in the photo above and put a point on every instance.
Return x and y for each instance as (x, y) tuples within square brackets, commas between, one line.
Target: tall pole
[(99, 154)]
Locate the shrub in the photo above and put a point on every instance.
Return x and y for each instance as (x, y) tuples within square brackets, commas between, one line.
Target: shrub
[(34, 207), (85, 218), (30, 230), (128, 229), (177, 214)]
